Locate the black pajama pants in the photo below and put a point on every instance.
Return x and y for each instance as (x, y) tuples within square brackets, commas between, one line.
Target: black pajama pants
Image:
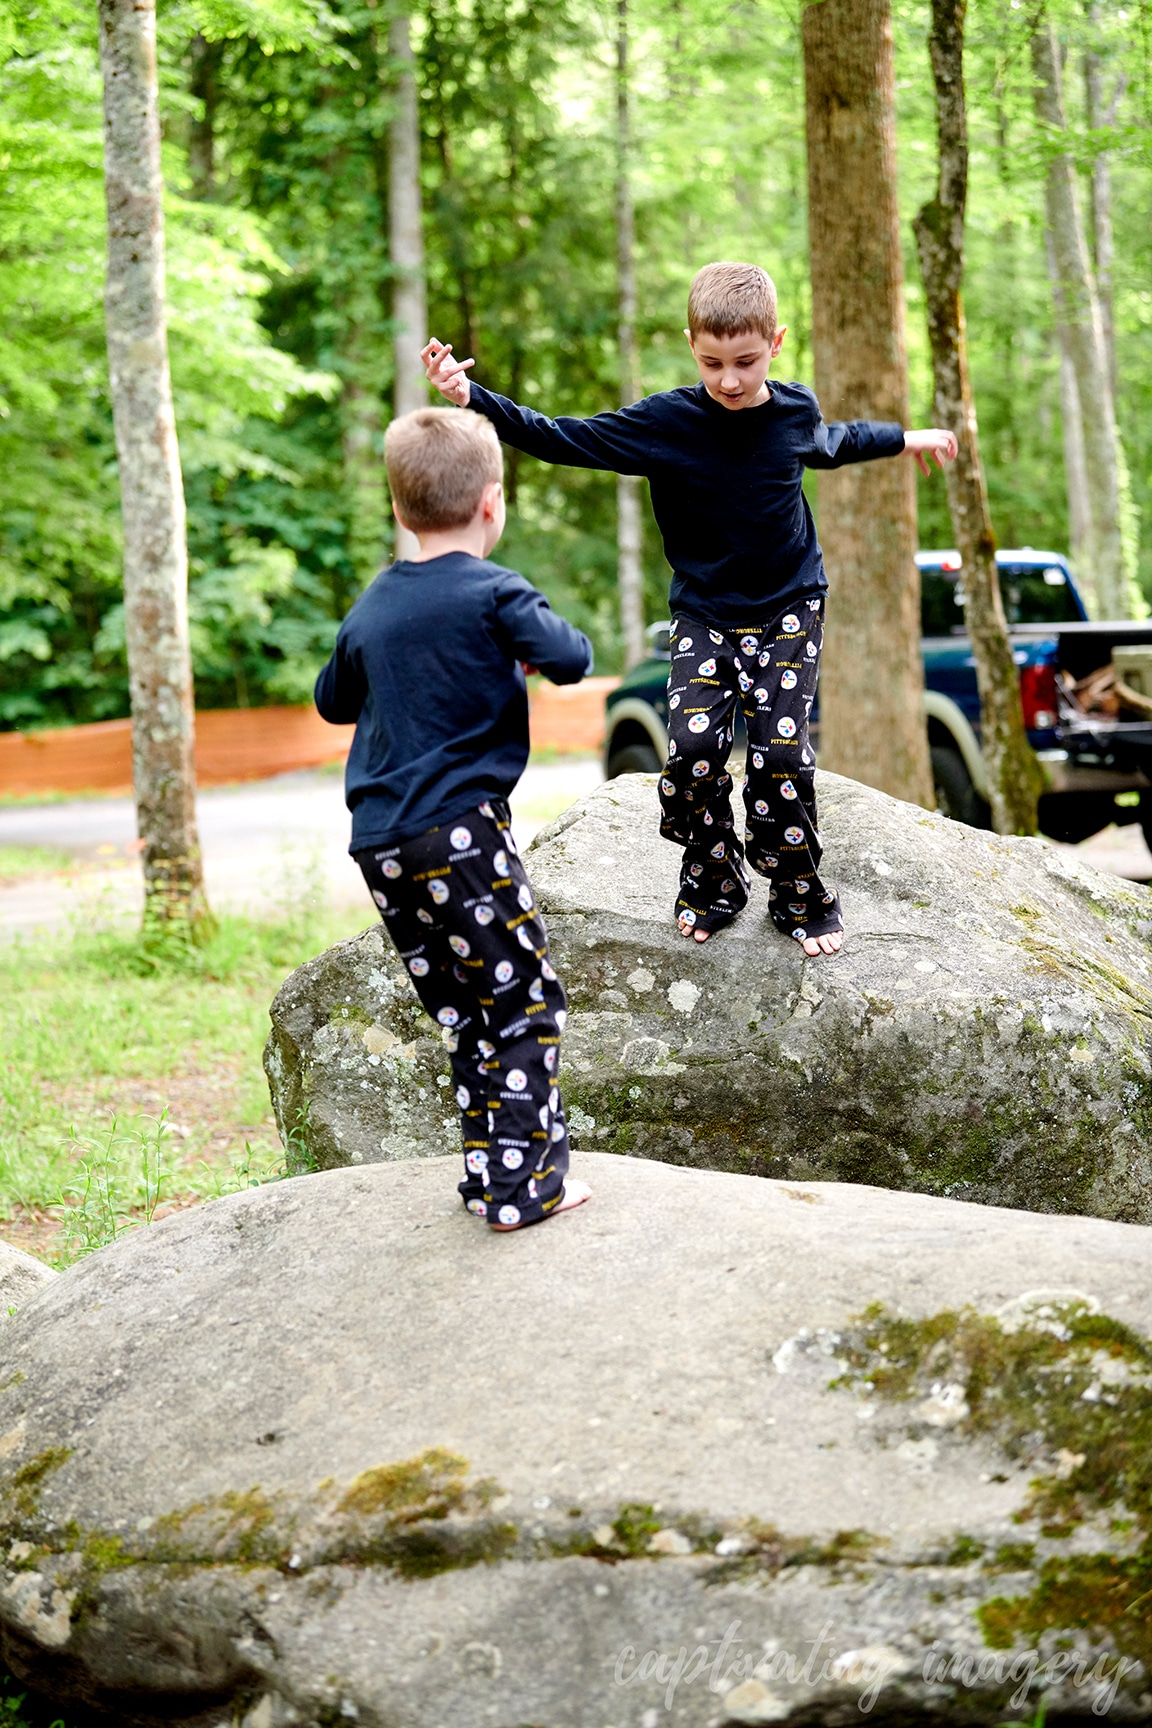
[(461, 914), (771, 670)]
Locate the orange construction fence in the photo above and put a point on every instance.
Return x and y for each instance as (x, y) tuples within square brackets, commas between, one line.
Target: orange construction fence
[(254, 743)]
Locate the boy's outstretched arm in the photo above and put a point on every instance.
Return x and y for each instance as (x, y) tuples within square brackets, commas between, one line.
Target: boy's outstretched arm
[(619, 442), (836, 443), (537, 637), (939, 445), (340, 689)]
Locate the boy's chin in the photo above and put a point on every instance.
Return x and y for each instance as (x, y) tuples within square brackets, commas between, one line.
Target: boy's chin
[(733, 403)]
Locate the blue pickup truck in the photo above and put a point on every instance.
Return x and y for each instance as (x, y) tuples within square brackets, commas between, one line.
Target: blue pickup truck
[(1097, 755)]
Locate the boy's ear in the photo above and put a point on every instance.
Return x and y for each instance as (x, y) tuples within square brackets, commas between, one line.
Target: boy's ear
[(489, 499), (691, 344), (778, 340)]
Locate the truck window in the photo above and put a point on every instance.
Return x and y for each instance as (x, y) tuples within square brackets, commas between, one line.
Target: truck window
[(1033, 594), (1036, 594)]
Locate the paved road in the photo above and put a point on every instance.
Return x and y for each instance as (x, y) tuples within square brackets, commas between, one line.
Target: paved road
[(263, 842), (269, 840)]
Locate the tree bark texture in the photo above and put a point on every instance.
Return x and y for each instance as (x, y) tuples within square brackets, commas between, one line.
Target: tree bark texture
[(1075, 469), (1014, 776), (629, 570), (406, 239), (1102, 116), (872, 685), (151, 489), (361, 436), (1111, 559)]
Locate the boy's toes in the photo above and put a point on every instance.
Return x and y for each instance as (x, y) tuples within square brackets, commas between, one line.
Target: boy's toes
[(829, 944), (575, 1194), (702, 935)]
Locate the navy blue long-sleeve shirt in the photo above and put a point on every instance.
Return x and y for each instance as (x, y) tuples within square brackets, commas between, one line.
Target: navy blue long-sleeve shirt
[(726, 485), (427, 665)]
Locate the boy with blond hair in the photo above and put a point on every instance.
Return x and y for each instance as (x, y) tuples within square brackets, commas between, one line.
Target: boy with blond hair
[(725, 461), (428, 667)]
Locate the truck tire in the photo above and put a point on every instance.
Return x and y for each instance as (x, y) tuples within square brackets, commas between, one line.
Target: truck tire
[(633, 759), (955, 794)]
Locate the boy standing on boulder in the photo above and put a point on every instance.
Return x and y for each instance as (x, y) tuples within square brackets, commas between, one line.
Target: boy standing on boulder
[(725, 461), (428, 666)]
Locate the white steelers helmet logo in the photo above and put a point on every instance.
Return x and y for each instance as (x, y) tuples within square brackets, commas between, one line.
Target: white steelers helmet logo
[(438, 891), (509, 1215), (717, 850), (787, 680), (542, 1113), (463, 1097), (698, 723), (688, 917), (419, 968), (536, 989), (547, 971), (684, 644), (460, 838), (757, 759), (459, 946), (706, 668), (550, 1058), (810, 650), (715, 636), (500, 862), (801, 887), (766, 656), (524, 897), (813, 605), (554, 1099), (486, 1049), (695, 869), (424, 917), (786, 726), (478, 1207), (557, 1130), (380, 898), (667, 788), (744, 681), (392, 869), (483, 914), (671, 746), (748, 644), (503, 971), (800, 933), (561, 1018), (790, 624), (476, 1163), (761, 807), (787, 790), (524, 937), (794, 836), (797, 908), (448, 1016), (761, 695), (512, 1158), (517, 1079), (674, 701), (699, 769), (487, 810)]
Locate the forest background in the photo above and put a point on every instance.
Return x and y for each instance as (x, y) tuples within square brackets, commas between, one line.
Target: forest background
[(280, 284)]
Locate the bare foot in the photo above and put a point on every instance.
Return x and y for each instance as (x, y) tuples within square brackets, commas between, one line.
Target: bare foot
[(830, 944), (575, 1193), (688, 929)]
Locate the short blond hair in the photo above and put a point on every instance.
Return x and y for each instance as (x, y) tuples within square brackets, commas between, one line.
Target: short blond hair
[(439, 462), (728, 299)]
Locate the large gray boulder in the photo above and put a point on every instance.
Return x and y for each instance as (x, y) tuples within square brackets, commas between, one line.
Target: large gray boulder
[(329, 1450), (21, 1275), (986, 1033)]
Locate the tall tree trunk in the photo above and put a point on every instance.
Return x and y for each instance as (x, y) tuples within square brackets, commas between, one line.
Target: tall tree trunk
[(629, 572), (206, 59), (1110, 557), (1014, 776), (1075, 468), (1101, 118), (361, 437), (872, 687), (151, 490), (406, 237)]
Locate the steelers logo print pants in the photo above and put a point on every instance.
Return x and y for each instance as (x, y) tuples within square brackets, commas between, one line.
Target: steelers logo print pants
[(461, 914), (771, 670)]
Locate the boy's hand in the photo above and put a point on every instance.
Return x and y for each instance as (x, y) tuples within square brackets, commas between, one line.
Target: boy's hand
[(942, 446), (446, 373)]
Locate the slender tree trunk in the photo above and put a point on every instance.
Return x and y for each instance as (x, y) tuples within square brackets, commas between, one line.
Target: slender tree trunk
[(872, 687), (406, 236), (1014, 777), (361, 437), (1075, 468), (1111, 559), (203, 84), (630, 575), (1101, 118), (151, 490)]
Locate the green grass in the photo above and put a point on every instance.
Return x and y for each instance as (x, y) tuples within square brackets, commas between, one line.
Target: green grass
[(17, 862), (132, 1078)]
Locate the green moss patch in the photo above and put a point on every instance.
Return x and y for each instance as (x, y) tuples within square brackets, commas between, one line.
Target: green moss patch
[(1070, 1391), (429, 1486)]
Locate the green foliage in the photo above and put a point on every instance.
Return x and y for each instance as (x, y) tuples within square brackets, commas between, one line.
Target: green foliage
[(280, 286)]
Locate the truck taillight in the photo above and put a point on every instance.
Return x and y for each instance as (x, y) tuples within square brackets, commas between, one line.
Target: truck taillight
[(1038, 697)]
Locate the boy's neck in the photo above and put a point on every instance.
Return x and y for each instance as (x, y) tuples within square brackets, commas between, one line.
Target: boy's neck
[(468, 539)]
